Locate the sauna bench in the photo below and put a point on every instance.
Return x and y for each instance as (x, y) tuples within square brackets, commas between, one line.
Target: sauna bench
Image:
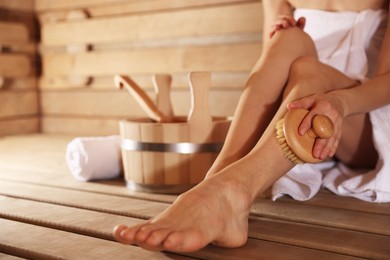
[(45, 213)]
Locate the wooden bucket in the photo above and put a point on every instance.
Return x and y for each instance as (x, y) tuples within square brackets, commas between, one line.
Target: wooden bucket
[(162, 157)]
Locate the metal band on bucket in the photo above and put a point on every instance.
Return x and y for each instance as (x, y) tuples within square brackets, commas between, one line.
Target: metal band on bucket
[(182, 148)]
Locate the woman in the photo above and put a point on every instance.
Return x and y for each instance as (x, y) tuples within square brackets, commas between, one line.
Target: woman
[(286, 76)]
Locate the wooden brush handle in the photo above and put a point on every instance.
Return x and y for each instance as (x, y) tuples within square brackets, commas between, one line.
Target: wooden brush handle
[(302, 145), (322, 127)]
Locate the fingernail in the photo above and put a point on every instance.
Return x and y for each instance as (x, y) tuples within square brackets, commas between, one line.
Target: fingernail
[(302, 131)]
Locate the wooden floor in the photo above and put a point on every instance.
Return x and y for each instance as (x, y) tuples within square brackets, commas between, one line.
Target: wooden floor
[(45, 213)]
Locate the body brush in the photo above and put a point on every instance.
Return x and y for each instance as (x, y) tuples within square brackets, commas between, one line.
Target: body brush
[(299, 148)]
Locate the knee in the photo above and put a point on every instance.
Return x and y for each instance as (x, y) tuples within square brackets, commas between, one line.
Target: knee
[(304, 66), (293, 39), (303, 76)]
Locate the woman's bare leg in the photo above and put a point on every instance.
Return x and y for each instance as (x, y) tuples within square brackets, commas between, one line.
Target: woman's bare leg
[(262, 94), (222, 201)]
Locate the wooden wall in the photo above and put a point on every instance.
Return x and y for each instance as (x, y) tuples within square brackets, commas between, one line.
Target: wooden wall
[(85, 42), (18, 88)]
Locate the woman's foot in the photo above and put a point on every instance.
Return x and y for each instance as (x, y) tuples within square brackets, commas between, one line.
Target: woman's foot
[(215, 211)]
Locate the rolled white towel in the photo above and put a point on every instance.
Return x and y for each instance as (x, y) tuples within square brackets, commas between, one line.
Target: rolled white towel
[(94, 158)]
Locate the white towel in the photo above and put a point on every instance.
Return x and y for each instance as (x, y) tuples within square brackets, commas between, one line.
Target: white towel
[(358, 33), (374, 185), (94, 158)]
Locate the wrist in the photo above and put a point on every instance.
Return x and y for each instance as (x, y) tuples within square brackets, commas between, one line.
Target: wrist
[(342, 96)]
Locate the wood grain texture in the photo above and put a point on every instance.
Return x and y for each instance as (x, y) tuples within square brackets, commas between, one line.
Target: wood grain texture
[(119, 105), (17, 5), (19, 125), (118, 7), (18, 103), (199, 22), (15, 65), (39, 196), (12, 32), (222, 58)]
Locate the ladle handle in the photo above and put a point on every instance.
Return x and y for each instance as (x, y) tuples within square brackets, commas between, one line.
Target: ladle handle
[(162, 87), (199, 85), (140, 96)]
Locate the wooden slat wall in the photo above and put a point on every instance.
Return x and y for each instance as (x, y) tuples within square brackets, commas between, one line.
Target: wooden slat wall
[(85, 43), (18, 68)]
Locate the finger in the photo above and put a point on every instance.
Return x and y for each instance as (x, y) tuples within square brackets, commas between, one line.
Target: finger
[(301, 22), (306, 103), (305, 125), (291, 21), (319, 149)]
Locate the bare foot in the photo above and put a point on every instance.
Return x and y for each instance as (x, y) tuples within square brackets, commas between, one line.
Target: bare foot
[(215, 211)]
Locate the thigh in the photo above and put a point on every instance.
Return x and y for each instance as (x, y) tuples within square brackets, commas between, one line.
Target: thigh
[(356, 147), (309, 76)]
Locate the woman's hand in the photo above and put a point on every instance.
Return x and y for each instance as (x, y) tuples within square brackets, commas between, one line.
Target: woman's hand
[(285, 21), (322, 104)]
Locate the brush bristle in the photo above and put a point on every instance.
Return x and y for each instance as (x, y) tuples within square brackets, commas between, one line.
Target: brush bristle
[(288, 153)]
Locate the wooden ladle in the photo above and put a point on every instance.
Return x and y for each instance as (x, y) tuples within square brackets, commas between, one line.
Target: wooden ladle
[(141, 97)]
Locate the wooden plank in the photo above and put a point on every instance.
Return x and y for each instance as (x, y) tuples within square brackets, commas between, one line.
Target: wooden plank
[(27, 83), (44, 155), (325, 216), (120, 105), (13, 33), (100, 225), (79, 126), (128, 7), (17, 5), (150, 5), (45, 243), (337, 218), (327, 199), (15, 65), (92, 201), (20, 125), (8, 257), (219, 58), (235, 19), (346, 242), (220, 80), (18, 103), (41, 5)]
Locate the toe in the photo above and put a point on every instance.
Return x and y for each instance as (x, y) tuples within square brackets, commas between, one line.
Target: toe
[(117, 232), (157, 238), (125, 234), (144, 233)]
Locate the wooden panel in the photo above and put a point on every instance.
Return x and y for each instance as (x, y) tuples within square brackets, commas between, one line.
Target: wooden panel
[(138, 5), (58, 202), (198, 22), (45, 243), (81, 126), (100, 225), (17, 103), (232, 58), (13, 33), (232, 80), (130, 7), (120, 104), (20, 125), (15, 65), (17, 5), (50, 5), (27, 83)]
